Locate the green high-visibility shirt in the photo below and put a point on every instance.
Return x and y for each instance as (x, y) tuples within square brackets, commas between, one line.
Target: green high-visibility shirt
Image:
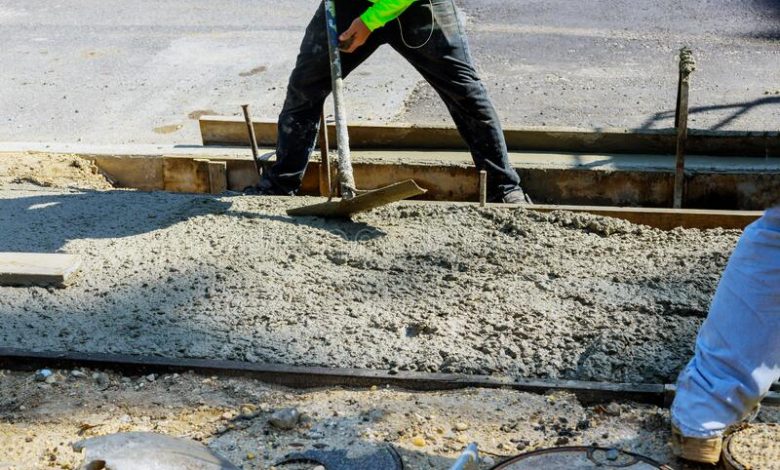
[(384, 11)]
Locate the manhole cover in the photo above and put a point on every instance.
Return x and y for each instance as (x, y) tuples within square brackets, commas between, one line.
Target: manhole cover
[(571, 458), (757, 447)]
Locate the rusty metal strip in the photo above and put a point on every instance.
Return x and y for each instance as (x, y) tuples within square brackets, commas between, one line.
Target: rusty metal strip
[(313, 377), (588, 393)]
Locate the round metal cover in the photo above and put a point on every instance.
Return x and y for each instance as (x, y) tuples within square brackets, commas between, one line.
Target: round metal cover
[(579, 458), (756, 446)]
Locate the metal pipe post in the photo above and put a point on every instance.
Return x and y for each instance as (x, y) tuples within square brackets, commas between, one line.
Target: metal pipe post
[(482, 188), (252, 139), (326, 186), (687, 66)]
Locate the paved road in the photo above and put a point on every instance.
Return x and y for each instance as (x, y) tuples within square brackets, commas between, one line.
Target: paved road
[(112, 71)]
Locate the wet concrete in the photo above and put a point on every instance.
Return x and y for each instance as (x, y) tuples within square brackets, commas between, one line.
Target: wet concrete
[(428, 288)]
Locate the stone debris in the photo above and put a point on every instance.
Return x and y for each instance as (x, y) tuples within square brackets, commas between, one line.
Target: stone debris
[(101, 379), (42, 375), (285, 419), (141, 450)]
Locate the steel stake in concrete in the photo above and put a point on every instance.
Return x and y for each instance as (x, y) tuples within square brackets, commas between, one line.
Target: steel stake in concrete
[(482, 188), (252, 139), (687, 66), (326, 186)]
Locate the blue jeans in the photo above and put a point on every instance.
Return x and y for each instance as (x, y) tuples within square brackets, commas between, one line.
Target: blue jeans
[(445, 62), (738, 348)]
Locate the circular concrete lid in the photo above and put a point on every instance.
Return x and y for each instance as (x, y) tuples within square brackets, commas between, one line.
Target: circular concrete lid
[(756, 447), (579, 458)]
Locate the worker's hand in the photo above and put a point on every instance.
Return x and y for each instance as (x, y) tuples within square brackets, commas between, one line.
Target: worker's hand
[(354, 37)]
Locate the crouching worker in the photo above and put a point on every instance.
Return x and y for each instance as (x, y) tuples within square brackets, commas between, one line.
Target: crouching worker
[(426, 33), (738, 348)]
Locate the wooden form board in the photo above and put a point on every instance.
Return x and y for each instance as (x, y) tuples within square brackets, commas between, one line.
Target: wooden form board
[(25, 269), (194, 175), (227, 130), (444, 182), (666, 219)]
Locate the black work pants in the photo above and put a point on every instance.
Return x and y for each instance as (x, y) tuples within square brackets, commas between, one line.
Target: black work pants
[(445, 62)]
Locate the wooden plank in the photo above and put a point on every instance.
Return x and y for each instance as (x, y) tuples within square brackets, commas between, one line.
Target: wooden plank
[(186, 175), (224, 130), (217, 177), (661, 218), (456, 182), (314, 377), (132, 171), (43, 269), (666, 219)]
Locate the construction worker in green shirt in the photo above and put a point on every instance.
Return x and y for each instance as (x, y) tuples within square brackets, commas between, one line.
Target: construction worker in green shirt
[(429, 34)]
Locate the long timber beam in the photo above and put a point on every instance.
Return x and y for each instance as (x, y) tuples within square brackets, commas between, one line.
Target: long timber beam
[(228, 130)]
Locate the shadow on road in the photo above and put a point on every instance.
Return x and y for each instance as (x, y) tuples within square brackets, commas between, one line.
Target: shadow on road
[(739, 109)]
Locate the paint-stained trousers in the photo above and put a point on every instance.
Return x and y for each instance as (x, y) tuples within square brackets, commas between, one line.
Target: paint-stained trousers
[(738, 348), (444, 61)]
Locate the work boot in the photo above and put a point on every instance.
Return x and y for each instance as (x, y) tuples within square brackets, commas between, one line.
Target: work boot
[(517, 196), (696, 449), (257, 190), (263, 188)]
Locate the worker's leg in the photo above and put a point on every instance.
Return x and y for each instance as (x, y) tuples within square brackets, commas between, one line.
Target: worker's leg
[(445, 62), (309, 85), (738, 348)]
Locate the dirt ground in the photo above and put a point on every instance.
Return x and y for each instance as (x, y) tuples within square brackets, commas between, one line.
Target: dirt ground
[(51, 170), (429, 287), (39, 421)]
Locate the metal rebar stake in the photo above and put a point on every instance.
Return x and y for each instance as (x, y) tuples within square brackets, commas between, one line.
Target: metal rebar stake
[(252, 139), (482, 188), (687, 66), (326, 185)]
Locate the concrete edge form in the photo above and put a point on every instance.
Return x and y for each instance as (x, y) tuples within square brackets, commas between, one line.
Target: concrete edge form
[(316, 377), (303, 377), (225, 130), (456, 180), (634, 194)]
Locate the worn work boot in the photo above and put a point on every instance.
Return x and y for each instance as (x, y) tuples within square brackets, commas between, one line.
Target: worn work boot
[(257, 190), (518, 196), (696, 449)]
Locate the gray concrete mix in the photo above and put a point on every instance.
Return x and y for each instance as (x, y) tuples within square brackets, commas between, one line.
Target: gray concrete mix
[(436, 287), (115, 72)]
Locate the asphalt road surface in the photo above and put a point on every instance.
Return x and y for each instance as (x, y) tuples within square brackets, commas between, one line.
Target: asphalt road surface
[(118, 72)]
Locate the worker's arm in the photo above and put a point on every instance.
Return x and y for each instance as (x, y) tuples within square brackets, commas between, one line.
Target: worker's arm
[(379, 14), (384, 11)]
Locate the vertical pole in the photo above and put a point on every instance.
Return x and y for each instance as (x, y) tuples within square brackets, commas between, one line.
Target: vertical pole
[(687, 66), (326, 187), (252, 139), (482, 188), (346, 178)]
